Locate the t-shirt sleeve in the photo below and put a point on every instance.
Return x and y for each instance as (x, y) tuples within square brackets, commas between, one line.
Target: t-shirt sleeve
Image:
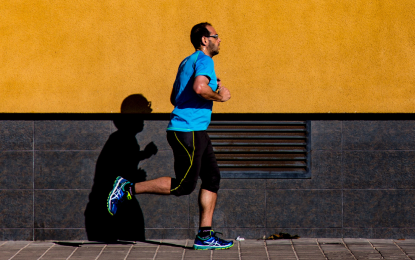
[(204, 67)]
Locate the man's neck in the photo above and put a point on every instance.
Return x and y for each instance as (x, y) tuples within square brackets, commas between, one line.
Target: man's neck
[(205, 52)]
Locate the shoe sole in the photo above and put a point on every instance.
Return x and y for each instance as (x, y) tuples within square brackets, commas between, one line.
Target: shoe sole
[(197, 247), (116, 182)]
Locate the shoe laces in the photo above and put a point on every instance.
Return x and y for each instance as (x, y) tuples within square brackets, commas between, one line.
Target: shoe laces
[(118, 194), (215, 236)]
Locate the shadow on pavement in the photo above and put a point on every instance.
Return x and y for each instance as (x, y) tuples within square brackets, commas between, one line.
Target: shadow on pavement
[(79, 244)]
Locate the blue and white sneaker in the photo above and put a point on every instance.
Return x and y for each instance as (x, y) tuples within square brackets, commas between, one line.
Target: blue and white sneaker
[(211, 242), (117, 195)]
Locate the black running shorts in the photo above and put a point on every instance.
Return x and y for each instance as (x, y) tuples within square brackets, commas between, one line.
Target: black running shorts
[(193, 157)]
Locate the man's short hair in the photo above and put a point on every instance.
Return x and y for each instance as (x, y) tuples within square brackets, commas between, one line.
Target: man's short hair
[(198, 31)]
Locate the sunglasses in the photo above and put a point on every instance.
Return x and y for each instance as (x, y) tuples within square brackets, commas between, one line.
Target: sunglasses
[(213, 36)]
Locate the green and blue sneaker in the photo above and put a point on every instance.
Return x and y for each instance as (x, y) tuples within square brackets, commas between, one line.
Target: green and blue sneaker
[(118, 194), (211, 242)]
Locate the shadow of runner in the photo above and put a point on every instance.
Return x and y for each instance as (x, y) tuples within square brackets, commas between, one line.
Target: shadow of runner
[(120, 156), (79, 244)]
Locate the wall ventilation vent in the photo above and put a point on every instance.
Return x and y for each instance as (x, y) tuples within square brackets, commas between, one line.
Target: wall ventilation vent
[(261, 149)]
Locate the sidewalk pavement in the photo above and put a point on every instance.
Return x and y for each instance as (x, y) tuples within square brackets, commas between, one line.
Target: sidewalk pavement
[(285, 249)]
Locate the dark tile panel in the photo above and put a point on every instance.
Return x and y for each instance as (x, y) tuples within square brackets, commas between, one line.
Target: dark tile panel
[(253, 184), (247, 233), (304, 208), (154, 131), (71, 135), (16, 170), (65, 169), (301, 232), (325, 173), (164, 211), (14, 234), (60, 234), (60, 208), (379, 208), (379, 170), (328, 232), (16, 208), (16, 135), (394, 233), (308, 232), (378, 135), (326, 135), (169, 233), (159, 165), (234, 209), (358, 233)]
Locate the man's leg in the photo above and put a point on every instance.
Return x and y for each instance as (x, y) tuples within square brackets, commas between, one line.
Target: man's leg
[(157, 186), (207, 203), (206, 238), (186, 169)]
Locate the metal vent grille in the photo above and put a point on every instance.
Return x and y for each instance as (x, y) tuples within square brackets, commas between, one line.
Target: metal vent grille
[(261, 149)]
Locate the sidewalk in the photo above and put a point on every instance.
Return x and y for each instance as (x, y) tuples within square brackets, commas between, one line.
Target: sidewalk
[(303, 248)]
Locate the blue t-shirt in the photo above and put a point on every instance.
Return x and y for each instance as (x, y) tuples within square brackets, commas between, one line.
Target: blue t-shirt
[(191, 111)]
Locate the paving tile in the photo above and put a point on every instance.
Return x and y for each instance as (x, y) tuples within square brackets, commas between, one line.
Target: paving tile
[(250, 249), (33, 251), (169, 254), (11, 248), (58, 253), (141, 254)]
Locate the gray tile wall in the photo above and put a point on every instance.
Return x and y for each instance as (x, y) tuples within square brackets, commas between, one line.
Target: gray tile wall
[(362, 185)]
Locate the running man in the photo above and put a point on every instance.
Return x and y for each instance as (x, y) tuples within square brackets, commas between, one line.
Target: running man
[(195, 89)]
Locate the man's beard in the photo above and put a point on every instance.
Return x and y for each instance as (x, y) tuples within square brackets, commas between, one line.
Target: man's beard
[(214, 50)]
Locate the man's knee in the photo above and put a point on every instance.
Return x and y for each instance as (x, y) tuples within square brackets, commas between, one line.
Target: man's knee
[(212, 183), (184, 188)]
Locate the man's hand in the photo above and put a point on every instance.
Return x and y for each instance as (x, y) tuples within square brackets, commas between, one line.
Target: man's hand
[(224, 93), (201, 87)]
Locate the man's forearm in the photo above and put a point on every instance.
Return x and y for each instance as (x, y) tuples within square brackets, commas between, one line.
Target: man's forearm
[(209, 94), (201, 87)]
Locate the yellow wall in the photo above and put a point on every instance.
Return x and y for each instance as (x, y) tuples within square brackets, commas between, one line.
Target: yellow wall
[(277, 56)]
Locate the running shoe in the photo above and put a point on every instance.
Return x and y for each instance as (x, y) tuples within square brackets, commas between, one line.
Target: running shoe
[(117, 195), (211, 242)]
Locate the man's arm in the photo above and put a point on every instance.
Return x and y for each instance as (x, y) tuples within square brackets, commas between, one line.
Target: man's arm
[(201, 87)]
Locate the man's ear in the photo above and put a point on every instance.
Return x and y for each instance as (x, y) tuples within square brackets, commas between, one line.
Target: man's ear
[(205, 41)]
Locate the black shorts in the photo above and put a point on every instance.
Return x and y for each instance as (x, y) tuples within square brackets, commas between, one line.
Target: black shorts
[(193, 157)]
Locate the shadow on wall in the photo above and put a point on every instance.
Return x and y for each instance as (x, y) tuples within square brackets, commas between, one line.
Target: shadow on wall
[(120, 156)]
